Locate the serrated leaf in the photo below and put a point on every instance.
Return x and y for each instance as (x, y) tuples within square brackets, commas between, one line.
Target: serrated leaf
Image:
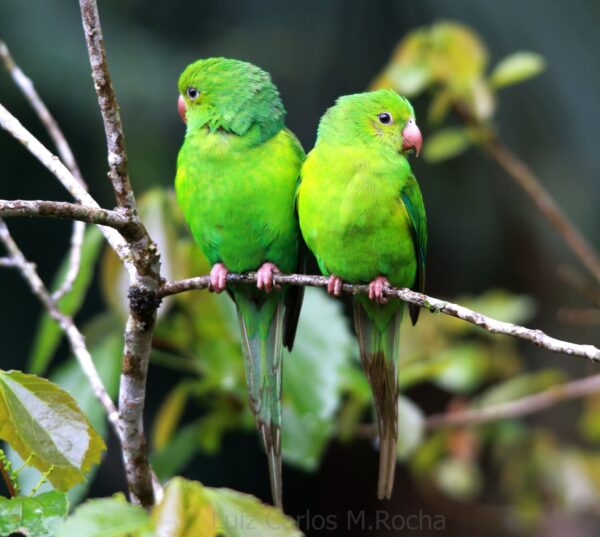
[(516, 68), (446, 143), (39, 418), (48, 333), (106, 517), (242, 515), (314, 377), (34, 517), (411, 427)]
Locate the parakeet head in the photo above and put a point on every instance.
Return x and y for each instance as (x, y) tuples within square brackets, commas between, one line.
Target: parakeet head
[(375, 118), (235, 96)]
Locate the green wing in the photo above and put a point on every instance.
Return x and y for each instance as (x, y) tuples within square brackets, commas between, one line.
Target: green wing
[(413, 201)]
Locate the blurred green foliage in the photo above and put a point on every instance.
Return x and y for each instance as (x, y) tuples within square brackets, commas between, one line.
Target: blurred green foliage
[(450, 62)]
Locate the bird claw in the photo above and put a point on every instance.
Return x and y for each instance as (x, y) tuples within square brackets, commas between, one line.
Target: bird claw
[(218, 278), (376, 288), (334, 286), (264, 277)]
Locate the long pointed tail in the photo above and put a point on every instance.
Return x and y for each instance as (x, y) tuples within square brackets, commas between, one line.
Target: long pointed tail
[(378, 332), (261, 323)]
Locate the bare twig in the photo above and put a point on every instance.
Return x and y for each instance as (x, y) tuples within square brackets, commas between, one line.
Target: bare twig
[(8, 262), (73, 334), (521, 407), (545, 203), (143, 281), (26, 86), (435, 305), (11, 124), (64, 150), (65, 210)]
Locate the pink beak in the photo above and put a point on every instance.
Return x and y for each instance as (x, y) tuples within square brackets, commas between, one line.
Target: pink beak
[(411, 137), (181, 108)]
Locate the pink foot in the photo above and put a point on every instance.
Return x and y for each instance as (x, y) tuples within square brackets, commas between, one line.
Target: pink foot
[(376, 290), (334, 286), (264, 277), (218, 278)]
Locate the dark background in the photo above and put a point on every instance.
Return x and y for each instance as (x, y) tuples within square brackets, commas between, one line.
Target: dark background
[(484, 233)]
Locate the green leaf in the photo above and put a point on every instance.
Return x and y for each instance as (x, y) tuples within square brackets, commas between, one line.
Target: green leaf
[(411, 427), (314, 378), (34, 517), (589, 421), (106, 517), (446, 143), (180, 450), (242, 515), (185, 511), (516, 68), (40, 419), (466, 367), (460, 479), (48, 333), (105, 340), (410, 80), (169, 414), (189, 509), (501, 305)]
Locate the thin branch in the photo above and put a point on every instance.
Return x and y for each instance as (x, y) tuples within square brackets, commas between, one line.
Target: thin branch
[(435, 305), (521, 407), (73, 334), (75, 250), (12, 125), (65, 210), (27, 87), (115, 140), (7, 262), (144, 281), (545, 203)]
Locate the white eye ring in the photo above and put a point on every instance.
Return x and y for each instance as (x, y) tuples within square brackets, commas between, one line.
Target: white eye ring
[(385, 118), (192, 93)]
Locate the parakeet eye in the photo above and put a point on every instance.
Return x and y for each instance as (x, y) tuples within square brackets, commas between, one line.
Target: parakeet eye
[(192, 93), (385, 118)]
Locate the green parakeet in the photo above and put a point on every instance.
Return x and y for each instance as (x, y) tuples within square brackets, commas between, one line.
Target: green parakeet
[(237, 174), (362, 215)]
